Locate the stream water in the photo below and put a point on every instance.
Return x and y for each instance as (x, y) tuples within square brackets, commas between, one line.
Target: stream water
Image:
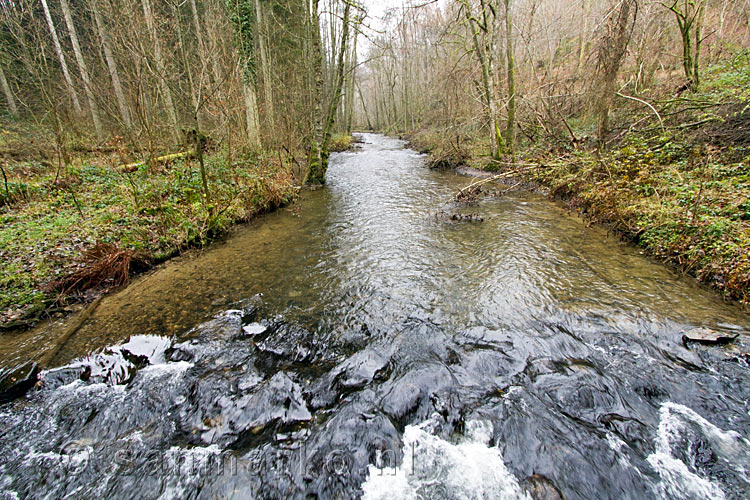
[(360, 346)]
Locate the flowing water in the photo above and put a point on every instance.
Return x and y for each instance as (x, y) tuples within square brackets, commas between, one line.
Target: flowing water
[(360, 346)]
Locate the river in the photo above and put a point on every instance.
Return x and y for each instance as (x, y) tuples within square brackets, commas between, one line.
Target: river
[(358, 345)]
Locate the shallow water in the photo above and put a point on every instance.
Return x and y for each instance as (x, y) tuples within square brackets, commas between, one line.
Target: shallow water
[(373, 349)]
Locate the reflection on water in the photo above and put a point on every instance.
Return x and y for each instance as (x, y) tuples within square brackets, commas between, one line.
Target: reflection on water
[(380, 325)]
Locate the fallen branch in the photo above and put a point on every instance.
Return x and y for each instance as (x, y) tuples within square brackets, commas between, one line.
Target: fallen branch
[(647, 104), (76, 323), (471, 188)]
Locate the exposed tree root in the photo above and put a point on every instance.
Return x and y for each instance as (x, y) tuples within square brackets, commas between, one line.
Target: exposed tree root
[(102, 264)]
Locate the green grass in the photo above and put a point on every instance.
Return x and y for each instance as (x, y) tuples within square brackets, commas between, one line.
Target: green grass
[(157, 210)]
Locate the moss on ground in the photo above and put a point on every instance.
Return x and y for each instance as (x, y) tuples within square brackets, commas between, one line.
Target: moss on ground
[(53, 217), (341, 142)]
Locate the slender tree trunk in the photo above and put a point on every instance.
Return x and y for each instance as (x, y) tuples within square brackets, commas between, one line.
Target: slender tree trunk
[(698, 42), (351, 77), (166, 93), (364, 107), (206, 52), (251, 114), (111, 66), (315, 173), (586, 11), (319, 176), (93, 107), (261, 33), (8, 94), (510, 131), (61, 58), (612, 53), (186, 64), (488, 77)]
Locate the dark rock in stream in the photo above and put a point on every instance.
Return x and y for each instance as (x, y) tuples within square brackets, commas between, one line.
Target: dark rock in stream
[(456, 217), (58, 377), (707, 336), (15, 382)]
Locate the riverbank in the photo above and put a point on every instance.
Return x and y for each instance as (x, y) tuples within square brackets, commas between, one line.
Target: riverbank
[(70, 234), (678, 186)]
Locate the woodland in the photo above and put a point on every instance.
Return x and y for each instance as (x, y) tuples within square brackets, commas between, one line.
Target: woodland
[(131, 130)]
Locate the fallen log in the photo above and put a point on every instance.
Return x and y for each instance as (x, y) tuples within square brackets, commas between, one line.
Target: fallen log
[(471, 189), (132, 167)]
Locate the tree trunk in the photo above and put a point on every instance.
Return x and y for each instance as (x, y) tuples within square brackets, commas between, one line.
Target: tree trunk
[(488, 77), (166, 93), (315, 173), (319, 176), (690, 23), (93, 107), (611, 53), (194, 97), (251, 115), (698, 42), (61, 58), (207, 52), (586, 8), (8, 94), (111, 66), (364, 107), (261, 34), (510, 131)]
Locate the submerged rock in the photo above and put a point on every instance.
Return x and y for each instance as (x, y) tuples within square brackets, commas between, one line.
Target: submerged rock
[(16, 381), (459, 217), (541, 488)]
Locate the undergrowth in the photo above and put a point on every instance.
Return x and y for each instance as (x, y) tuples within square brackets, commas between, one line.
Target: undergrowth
[(55, 220)]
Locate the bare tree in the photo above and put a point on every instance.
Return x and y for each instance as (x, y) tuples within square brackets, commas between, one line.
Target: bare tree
[(482, 26), (689, 15), (93, 107), (510, 131), (612, 50), (9, 97), (161, 72), (111, 64), (61, 57)]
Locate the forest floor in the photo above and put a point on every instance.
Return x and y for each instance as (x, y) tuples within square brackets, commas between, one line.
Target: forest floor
[(679, 185), (70, 234)]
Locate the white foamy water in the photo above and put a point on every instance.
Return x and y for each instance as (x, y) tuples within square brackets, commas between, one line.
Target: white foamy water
[(435, 468), (680, 480), (113, 366)]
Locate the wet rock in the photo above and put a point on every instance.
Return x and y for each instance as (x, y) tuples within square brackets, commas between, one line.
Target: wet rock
[(540, 487), (277, 404), (707, 336), (224, 326), (119, 364), (459, 217), (253, 330), (58, 377), (15, 382), (179, 353), (360, 369)]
